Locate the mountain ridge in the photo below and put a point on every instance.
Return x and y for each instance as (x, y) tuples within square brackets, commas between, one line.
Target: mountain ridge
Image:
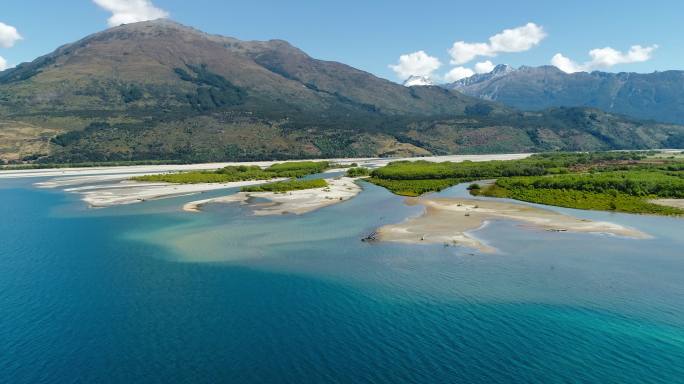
[(657, 96), (161, 90)]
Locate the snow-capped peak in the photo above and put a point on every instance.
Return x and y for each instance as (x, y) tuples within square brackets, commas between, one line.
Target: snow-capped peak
[(414, 81)]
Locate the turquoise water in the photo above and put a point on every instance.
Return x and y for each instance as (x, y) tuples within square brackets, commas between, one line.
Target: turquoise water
[(146, 293)]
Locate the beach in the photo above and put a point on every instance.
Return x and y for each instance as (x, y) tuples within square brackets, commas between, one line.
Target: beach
[(451, 221)]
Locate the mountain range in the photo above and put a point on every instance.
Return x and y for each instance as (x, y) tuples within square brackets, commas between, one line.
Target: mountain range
[(657, 96), (161, 90)]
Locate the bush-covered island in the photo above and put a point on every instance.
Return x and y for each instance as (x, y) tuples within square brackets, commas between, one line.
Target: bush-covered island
[(612, 181), (286, 186)]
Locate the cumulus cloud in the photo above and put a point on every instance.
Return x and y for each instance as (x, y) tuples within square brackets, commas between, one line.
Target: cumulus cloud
[(458, 73), (416, 64), (131, 11), (603, 58), (462, 52), (3, 63), (8, 35), (484, 67), (518, 39), (565, 64)]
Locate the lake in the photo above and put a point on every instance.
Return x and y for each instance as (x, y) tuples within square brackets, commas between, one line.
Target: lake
[(149, 294)]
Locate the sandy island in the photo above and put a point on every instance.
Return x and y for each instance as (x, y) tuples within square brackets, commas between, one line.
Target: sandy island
[(130, 192), (449, 221), (294, 202)]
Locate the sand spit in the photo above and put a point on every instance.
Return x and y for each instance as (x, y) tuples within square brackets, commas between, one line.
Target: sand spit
[(450, 221), (131, 192), (294, 202), (676, 203)]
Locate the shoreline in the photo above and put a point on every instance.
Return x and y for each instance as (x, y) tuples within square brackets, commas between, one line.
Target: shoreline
[(137, 170), (450, 221), (110, 186)]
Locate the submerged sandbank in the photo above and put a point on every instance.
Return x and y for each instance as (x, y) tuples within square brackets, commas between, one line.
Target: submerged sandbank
[(295, 202), (450, 221)]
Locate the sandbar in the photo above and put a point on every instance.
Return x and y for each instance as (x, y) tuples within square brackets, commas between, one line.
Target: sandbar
[(294, 202), (131, 192), (450, 221)]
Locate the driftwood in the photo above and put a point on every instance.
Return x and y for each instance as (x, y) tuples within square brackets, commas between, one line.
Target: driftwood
[(373, 236)]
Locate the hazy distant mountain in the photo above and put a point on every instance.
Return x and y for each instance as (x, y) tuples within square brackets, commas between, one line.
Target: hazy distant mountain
[(160, 90), (658, 96)]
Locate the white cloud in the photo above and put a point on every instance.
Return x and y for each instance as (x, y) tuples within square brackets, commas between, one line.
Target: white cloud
[(462, 52), (416, 64), (3, 63), (518, 39), (565, 64), (484, 67), (8, 35), (131, 11), (458, 73), (603, 58)]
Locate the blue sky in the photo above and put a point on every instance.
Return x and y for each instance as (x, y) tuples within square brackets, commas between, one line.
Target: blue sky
[(372, 35)]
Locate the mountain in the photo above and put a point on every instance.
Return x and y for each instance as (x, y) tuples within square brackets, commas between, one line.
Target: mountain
[(657, 96), (161, 90), (415, 81), (500, 70)]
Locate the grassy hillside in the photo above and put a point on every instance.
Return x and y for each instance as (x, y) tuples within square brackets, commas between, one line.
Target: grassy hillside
[(161, 91)]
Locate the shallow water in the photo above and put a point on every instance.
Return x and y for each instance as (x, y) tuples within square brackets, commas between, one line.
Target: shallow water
[(147, 293)]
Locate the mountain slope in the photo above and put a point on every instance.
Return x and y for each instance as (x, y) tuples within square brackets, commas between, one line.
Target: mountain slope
[(656, 96), (160, 90)]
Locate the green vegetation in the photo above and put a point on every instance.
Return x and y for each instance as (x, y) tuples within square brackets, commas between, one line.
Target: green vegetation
[(358, 172), (634, 183), (240, 173), (286, 186), (621, 191), (414, 187), (612, 181), (413, 178), (298, 168)]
